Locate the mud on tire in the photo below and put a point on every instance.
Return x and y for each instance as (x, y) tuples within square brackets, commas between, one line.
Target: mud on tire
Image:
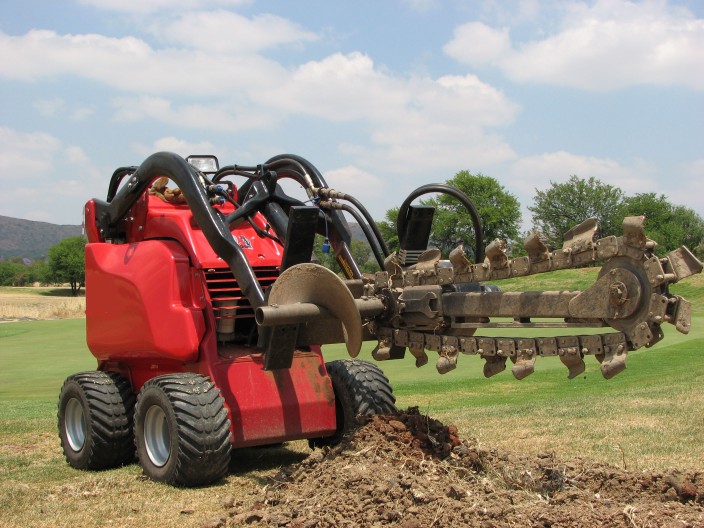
[(182, 433), (95, 420), (361, 388)]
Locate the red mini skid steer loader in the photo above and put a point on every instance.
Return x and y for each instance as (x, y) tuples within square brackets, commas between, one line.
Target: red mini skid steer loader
[(206, 315)]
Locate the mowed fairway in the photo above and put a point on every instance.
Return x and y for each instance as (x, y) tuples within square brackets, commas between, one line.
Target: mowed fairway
[(649, 416)]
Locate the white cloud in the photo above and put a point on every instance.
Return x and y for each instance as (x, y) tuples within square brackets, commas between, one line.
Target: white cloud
[(607, 45), (27, 153), (538, 171), (414, 123), (179, 146), (689, 190), (151, 6), (219, 116), (339, 87), (412, 120), (132, 65), (77, 155), (57, 107), (230, 32), (354, 181), (49, 107), (50, 173), (477, 44)]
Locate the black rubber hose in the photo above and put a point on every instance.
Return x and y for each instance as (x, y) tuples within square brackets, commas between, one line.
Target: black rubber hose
[(452, 191), (301, 163), (294, 174), (318, 179), (340, 236), (377, 234), (367, 233)]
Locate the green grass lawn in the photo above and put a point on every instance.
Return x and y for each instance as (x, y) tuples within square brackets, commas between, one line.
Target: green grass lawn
[(38, 355)]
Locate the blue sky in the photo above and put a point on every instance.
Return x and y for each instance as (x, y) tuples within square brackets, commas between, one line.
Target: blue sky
[(382, 96)]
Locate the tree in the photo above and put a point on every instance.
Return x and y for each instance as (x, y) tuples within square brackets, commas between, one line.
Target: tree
[(387, 228), (13, 272), (671, 226), (499, 211), (565, 205), (361, 253), (67, 262), (18, 271)]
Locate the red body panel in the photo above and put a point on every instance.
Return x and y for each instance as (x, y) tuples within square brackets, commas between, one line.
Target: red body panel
[(138, 302), (150, 311), (164, 220)]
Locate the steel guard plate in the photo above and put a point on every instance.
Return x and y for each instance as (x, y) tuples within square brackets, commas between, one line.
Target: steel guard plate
[(272, 406)]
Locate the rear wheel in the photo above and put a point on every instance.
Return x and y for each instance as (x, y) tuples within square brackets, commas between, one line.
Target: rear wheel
[(361, 388), (95, 420), (182, 433)]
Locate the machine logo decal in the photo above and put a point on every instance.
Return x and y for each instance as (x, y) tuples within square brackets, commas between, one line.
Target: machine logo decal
[(244, 242)]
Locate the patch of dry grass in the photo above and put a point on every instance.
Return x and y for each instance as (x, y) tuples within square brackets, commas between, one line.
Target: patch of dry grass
[(654, 434), (39, 303), (38, 488)]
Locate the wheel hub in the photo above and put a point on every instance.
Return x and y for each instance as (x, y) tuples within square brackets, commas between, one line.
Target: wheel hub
[(75, 424), (156, 436)]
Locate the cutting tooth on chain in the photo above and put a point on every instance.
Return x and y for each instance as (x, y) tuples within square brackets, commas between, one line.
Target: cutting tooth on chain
[(535, 247), (613, 361), (571, 355), (524, 361), (448, 359)]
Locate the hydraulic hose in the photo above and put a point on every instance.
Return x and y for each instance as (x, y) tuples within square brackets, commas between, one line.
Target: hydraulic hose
[(372, 224), (341, 236), (452, 191), (362, 224)]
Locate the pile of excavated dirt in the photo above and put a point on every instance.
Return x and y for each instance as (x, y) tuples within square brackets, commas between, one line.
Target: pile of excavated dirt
[(409, 470)]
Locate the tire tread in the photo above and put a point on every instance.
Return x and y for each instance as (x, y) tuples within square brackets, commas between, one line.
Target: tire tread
[(361, 388), (110, 402), (204, 438)]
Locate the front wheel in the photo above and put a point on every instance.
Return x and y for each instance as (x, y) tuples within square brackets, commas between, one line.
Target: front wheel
[(95, 420), (182, 433), (361, 388)]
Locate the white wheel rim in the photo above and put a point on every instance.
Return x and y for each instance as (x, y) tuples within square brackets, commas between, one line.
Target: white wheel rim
[(75, 424), (157, 439)]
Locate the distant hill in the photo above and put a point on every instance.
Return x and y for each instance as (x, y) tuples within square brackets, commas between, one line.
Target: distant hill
[(27, 238), (357, 231)]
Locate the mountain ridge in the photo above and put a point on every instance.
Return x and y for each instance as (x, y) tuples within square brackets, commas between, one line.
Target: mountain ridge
[(30, 238)]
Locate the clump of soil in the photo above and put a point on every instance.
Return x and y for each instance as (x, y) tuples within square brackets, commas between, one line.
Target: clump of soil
[(409, 470)]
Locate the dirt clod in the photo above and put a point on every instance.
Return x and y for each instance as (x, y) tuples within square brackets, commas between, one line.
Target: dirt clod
[(410, 470)]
